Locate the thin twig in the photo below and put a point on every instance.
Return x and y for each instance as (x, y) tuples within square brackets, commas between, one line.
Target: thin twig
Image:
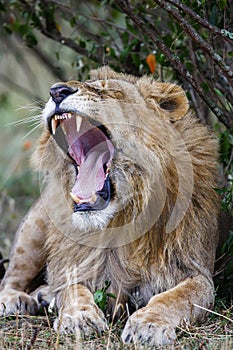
[(175, 62), (204, 45), (220, 32), (213, 312)]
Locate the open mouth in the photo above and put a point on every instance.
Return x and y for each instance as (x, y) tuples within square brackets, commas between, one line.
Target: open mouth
[(91, 150)]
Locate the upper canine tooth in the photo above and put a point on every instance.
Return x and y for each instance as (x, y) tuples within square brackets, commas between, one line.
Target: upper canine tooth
[(54, 125), (78, 122)]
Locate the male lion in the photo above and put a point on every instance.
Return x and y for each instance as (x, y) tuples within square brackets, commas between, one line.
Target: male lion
[(129, 198)]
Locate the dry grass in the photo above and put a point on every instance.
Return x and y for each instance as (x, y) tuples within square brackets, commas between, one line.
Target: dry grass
[(24, 333)]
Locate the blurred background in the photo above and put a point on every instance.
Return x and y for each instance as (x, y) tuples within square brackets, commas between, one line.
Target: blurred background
[(45, 41)]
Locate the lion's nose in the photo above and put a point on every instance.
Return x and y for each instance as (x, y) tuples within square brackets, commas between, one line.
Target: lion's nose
[(60, 92)]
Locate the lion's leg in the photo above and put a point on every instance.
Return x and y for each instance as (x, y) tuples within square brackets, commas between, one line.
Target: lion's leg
[(78, 312), (155, 323), (26, 260)]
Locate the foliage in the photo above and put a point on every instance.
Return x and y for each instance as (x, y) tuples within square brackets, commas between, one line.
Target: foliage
[(101, 296), (226, 147), (191, 40), (224, 275)]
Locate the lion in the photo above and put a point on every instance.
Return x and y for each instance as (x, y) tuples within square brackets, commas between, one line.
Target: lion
[(128, 197)]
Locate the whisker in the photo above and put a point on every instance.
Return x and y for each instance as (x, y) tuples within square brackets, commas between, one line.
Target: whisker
[(28, 106), (31, 131), (36, 105), (37, 122), (25, 120)]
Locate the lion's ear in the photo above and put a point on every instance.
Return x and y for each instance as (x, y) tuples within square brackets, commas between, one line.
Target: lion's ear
[(168, 99)]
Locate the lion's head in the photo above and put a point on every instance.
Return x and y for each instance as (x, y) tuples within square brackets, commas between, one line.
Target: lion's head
[(110, 146)]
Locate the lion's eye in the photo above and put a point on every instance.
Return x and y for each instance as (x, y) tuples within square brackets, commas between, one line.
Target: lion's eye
[(113, 94), (169, 105)]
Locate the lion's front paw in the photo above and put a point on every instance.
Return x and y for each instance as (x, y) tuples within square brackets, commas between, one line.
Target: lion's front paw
[(147, 328), (13, 302), (86, 320)]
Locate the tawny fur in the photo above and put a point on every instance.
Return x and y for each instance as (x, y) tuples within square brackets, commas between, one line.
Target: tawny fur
[(159, 149)]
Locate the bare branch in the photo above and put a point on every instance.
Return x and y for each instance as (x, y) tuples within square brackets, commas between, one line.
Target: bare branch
[(175, 62), (204, 45), (50, 31), (220, 32), (48, 63)]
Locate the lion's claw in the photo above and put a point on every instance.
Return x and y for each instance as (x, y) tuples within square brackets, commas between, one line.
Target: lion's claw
[(87, 322), (14, 302), (141, 331)]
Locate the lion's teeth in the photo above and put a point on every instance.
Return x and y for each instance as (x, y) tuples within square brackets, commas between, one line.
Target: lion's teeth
[(53, 125), (78, 122), (63, 128), (69, 115), (75, 198), (93, 197)]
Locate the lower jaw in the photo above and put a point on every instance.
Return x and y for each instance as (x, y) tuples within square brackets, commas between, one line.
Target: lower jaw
[(103, 198)]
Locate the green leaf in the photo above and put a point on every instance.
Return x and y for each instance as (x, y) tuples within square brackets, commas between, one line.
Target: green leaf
[(107, 284), (168, 40), (160, 58), (214, 15), (2, 7), (30, 39), (100, 299), (98, 296), (111, 295), (82, 43), (218, 92), (35, 20), (23, 29), (189, 66), (222, 4), (73, 22), (112, 52), (8, 28), (136, 59), (205, 87)]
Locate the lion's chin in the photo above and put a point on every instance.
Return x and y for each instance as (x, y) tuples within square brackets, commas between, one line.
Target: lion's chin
[(93, 221)]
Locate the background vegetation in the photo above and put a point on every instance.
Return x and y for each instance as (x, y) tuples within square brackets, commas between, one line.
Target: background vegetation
[(190, 42)]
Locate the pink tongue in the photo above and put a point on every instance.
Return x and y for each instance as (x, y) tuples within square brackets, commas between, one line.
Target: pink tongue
[(91, 150), (91, 174)]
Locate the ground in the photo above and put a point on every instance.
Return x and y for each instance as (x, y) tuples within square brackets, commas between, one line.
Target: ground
[(24, 333)]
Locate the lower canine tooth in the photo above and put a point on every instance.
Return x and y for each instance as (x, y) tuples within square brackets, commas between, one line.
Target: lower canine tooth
[(78, 122), (75, 198), (63, 128), (93, 197)]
